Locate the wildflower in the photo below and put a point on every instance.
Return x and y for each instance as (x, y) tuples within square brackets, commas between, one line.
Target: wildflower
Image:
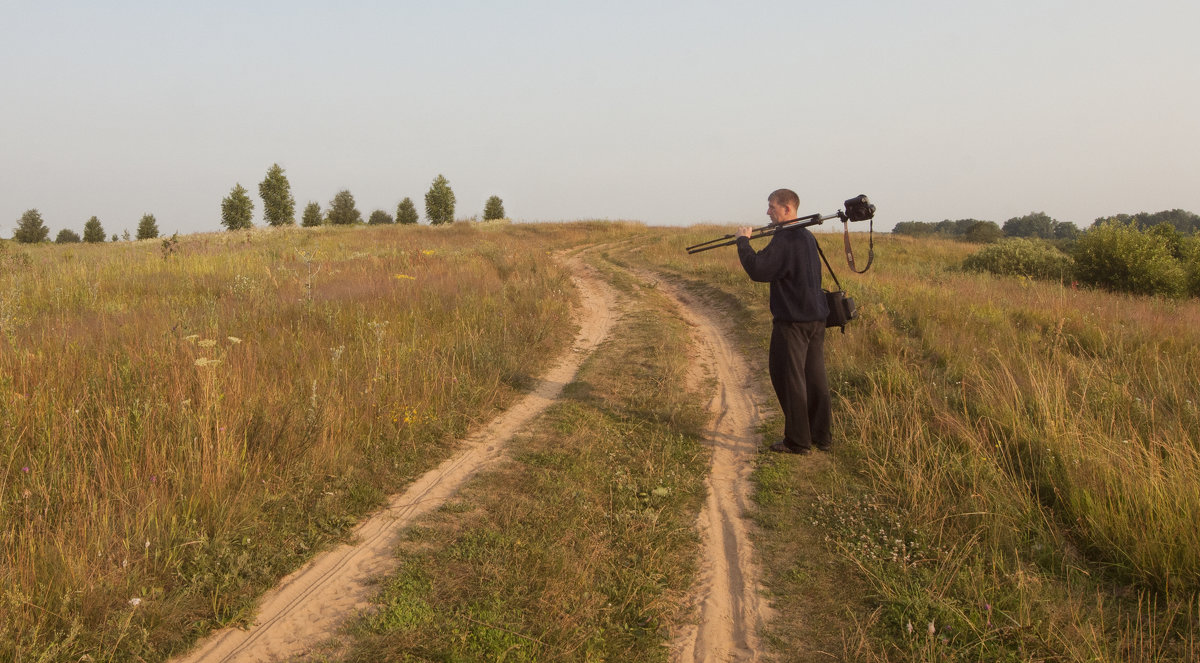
[(932, 628), (204, 362), (406, 276), (427, 252), (908, 627), (25, 469), (234, 340), (208, 343), (135, 602), (191, 338)]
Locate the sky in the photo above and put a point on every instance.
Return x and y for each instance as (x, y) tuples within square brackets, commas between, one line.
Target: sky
[(670, 113)]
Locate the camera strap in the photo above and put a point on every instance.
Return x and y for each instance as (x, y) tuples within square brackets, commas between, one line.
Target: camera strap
[(850, 251)]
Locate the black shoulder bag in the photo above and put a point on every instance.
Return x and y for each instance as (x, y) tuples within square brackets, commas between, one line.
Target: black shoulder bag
[(841, 306)]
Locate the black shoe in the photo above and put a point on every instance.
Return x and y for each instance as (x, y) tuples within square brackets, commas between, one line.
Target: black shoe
[(824, 447), (784, 448)]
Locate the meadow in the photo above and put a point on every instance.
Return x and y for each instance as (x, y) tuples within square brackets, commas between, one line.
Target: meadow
[(1019, 461), (1016, 473), (182, 424)]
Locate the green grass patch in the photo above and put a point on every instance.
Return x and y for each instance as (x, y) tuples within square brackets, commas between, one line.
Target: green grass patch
[(581, 546)]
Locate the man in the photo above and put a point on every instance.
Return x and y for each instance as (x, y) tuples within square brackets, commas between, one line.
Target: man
[(797, 356)]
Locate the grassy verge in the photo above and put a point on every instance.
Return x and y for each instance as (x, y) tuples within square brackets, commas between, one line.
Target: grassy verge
[(182, 425), (580, 546), (1017, 464)]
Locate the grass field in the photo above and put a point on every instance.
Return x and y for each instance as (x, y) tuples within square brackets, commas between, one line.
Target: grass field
[(1016, 477), (1021, 460)]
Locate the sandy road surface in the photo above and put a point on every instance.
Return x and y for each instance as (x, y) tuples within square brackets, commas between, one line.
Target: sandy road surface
[(308, 606), (729, 607)]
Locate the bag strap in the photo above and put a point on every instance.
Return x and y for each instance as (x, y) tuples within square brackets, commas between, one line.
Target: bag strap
[(824, 260), (850, 251)]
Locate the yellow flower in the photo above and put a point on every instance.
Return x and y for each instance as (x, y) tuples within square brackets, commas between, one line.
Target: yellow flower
[(406, 276), (428, 252)]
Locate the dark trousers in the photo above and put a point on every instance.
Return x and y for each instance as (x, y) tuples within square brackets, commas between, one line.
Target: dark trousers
[(797, 366)]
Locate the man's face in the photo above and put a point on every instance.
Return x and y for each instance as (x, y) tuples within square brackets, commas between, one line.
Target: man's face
[(778, 212)]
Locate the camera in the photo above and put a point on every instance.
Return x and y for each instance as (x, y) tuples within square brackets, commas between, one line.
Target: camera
[(859, 208)]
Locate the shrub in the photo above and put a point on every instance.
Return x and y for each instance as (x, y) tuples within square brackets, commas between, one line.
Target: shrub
[(406, 212), (1021, 257), (342, 211), (237, 210), (67, 236), (30, 228), (1120, 257), (439, 202), (93, 232), (147, 227), (1191, 264), (493, 209), (379, 217), (312, 215), (983, 232)]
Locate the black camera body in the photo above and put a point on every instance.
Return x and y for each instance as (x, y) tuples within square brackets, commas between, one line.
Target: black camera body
[(859, 208)]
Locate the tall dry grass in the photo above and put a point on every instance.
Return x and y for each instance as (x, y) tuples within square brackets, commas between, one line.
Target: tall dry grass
[(1038, 445), (180, 428)]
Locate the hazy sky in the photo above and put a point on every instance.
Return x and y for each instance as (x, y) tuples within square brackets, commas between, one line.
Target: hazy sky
[(665, 112)]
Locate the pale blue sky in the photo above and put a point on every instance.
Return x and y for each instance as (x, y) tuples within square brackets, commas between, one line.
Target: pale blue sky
[(665, 112)]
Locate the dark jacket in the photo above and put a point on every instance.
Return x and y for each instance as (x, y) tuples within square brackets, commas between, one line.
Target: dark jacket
[(791, 264)]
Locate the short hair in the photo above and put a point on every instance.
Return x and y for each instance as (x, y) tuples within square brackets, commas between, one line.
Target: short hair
[(785, 197)]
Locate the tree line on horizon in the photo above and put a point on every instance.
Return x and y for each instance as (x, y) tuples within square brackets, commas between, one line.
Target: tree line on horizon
[(1039, 225), (279, 209)]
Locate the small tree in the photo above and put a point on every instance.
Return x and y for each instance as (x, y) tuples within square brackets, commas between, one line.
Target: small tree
[(116, 238), (983, 232), (406, 212), (379, 217), (493, 209), (147, 227), (279, 207), (342, 211), (439, 202), (30, 228), (312, 215), (93, 232), (66, 236), (237, 209)]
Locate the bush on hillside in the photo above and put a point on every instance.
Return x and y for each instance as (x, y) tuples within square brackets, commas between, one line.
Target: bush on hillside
[(1122, 258), (1018, 256), (1191, 264)]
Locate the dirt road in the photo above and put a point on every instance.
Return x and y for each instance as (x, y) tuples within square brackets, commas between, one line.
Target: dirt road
[(730, 611), (309, 605)]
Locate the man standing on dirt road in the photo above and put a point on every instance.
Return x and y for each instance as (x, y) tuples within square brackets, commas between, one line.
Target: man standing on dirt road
[(796, 360)]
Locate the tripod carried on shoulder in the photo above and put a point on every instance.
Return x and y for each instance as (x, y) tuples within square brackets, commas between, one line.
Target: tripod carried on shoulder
[(859, 208)]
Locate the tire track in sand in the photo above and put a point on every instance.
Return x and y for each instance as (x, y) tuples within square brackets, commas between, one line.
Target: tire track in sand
[(730, 610), (307, 607)]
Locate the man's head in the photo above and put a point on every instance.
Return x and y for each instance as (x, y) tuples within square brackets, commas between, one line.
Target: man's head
[(782, 205)]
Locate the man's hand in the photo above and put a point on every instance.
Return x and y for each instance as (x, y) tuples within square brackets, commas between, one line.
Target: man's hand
[(744, 231)]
